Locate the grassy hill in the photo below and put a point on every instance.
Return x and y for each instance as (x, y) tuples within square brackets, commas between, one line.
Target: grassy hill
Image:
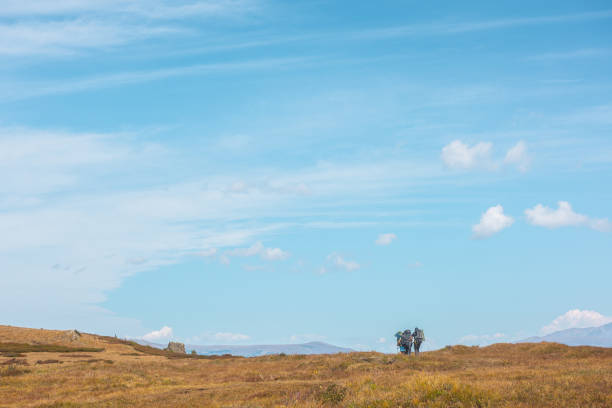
[(46, 368)]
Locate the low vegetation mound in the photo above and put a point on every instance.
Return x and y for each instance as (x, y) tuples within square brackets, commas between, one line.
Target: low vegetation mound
[(44, 348)]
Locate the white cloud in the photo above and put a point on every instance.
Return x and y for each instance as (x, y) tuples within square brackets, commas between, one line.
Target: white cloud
[(458, 155), (518, 156), (68, 37), (164, 333), (270, 254), (491, 222), (254, 249), (563, 216), (340, 262), (385, 239), (381, 340), (274, 254), (576, 318), (68, 199), (208, 252)]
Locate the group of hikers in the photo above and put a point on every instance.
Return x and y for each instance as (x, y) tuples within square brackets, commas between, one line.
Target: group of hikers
[(406, 339)]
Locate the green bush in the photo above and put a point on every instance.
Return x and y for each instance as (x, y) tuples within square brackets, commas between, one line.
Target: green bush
[(333, 394)]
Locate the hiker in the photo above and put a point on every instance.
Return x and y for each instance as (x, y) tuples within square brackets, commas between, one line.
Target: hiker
[(404, 341), (398, 338), (419, 337)]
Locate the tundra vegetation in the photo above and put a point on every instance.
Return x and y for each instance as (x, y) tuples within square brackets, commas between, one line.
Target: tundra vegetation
[(43, 368)]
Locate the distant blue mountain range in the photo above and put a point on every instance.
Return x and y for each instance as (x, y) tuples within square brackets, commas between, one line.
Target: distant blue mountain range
[(314, 347), (591, 336)]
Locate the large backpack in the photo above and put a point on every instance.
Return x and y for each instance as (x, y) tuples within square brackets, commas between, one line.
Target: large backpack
[(419, 334)]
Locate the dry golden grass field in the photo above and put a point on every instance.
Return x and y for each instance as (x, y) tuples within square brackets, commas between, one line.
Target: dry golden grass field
[(46, 368)]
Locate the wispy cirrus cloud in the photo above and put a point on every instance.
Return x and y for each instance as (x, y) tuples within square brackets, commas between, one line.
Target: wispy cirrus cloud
[(160, 9), (461, 27), (17, 91), (572, 54), (65, 27), (70, 37)]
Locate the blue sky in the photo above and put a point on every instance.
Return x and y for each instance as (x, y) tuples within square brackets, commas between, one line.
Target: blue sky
[(271, 172)]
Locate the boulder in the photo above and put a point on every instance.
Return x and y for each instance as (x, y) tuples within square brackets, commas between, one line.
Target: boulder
[(176, 347)]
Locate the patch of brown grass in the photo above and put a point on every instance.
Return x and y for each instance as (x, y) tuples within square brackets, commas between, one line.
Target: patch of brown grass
[(12, 371), (502, 375), (50, 361)]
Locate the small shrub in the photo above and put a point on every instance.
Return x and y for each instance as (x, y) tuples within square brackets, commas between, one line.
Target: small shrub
[(11, 354), (333, 394), (97, 360)]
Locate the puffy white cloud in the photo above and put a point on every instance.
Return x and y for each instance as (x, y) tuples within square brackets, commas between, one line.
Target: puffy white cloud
[(517, 155), (385, 239), (458, 155), (164, 333), (340, 262), (576, 318), (563, 216), (491, 222)]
